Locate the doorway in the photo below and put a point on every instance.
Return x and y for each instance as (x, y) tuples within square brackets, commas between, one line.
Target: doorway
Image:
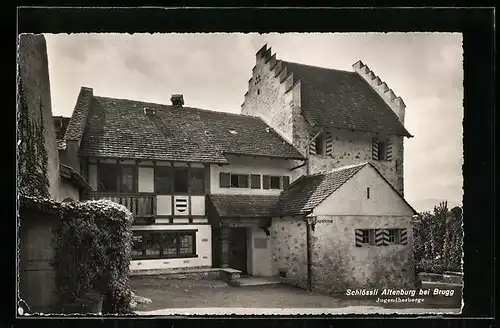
[(238, 249)]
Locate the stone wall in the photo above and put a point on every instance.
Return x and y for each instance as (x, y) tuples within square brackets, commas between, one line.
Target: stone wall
[(268, 98), (34, 74), (356, 147), (289, 250), (338, 264)]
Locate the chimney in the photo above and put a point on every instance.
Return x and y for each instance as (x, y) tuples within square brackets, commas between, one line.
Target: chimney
[(177, 100)]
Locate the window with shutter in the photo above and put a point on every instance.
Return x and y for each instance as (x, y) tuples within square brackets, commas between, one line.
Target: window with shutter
[(225, 180), (255, 181), (265, 182), (275, 182)]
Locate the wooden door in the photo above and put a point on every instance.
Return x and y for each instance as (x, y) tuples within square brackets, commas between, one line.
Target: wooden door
[(37, 281), (238, 249)]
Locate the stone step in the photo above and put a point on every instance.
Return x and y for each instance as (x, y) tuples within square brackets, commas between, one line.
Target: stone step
[(254, 281)]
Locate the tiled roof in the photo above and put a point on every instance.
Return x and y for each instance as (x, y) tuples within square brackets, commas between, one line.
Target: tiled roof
[(76, 125), (344, 100), (307, 192), (244, 205), (70, 174), (120, 128)]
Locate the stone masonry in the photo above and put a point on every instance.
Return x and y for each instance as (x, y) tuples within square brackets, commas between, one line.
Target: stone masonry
[(338, 264), (289, 250), (274, 95)]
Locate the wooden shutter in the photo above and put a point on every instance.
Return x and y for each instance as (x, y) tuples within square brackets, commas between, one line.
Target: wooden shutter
[(225, 180), (255, 181), (359, 237), (265, 181), (375, 148), (286, 182), (312, 144), (385, 237), (403, 236), (389, 149), (328, 144), (379, 237)]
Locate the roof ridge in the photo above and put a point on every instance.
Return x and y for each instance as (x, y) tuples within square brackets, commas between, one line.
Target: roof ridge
[(184, 107), (321, 67)]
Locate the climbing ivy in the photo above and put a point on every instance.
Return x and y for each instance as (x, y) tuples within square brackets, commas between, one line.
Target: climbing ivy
[(32, 154)]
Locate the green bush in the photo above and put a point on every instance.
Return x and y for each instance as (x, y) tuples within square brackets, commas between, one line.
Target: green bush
[(92, 245)]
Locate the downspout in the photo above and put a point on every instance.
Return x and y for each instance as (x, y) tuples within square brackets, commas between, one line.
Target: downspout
[(308, 219)]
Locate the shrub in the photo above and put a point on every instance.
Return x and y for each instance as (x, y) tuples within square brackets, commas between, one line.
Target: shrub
[(92, 246), (438, 240)]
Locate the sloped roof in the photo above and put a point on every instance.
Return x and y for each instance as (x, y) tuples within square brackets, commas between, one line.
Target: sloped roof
[(120, 128), (343, 99), (307, 192), (244, 205)]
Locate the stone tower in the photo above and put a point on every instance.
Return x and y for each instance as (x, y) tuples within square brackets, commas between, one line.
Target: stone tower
[(335, 118)]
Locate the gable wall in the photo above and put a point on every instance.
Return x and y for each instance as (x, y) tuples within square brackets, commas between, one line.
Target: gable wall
[(351, 197), (271, 104)]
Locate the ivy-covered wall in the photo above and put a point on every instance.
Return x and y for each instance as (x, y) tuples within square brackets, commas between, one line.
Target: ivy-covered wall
[(37, 148)]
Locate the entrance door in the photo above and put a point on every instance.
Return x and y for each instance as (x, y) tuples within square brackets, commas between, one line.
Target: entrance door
[(238, 249)]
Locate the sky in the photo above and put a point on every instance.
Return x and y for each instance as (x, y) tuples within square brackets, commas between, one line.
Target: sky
[(212, 72)]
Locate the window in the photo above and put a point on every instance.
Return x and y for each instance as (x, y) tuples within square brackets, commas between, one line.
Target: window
[(258, 91), (116, 178), (127, 179), (107, 175), (181, 180), (239, 181), (164, 244), (382, 150), (394, 236), (368, 193), (197, 181), (255, 181), (275, 182), (163, 180), (319, 145), (365, 237), (228, 180)]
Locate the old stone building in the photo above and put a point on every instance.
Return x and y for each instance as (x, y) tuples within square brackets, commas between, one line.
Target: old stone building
[(333, 117)]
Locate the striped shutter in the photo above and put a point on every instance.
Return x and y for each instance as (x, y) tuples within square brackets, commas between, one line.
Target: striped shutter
[(385, 237), (312, 144), (359, 237), (328, 144), (389, 149), (404, 236), (380, 237), (375, 148), (225, 180)]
